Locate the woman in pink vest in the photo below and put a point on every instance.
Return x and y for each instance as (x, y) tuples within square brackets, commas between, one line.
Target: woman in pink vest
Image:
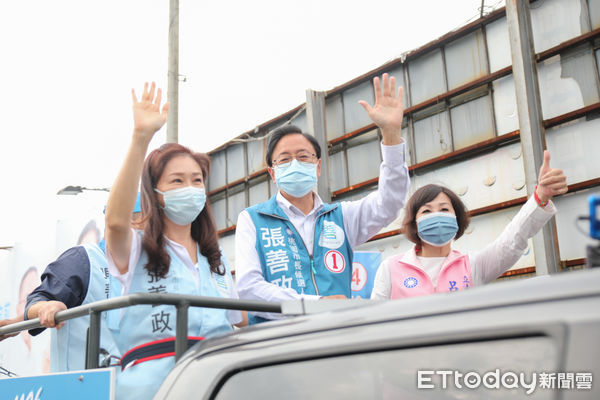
[(435, 216)]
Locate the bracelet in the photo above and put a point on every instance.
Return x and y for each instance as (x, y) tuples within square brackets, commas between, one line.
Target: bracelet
[(537, 199)]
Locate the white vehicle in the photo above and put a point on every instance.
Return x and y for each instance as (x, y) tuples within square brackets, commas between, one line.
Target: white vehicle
[(535, 338)]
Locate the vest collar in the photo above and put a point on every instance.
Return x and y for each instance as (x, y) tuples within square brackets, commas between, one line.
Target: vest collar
[(410, 257), (271, 208)]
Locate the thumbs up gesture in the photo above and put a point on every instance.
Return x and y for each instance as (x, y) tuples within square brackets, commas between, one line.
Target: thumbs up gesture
[(551, 182)]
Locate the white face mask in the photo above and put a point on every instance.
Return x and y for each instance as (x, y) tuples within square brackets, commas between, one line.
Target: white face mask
[(183, 205)]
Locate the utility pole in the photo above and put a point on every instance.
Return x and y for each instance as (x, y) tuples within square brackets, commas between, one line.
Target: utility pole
[(173, 73)]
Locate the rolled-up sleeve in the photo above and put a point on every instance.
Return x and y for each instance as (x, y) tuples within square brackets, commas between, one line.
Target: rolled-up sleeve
[(365, 217), (500, 255), (65, 280)]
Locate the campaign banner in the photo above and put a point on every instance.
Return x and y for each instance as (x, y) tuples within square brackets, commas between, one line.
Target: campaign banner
[(96, 384), (364, 267)]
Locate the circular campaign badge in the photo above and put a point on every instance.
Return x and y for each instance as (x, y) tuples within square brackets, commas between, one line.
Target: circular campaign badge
[(335, 261), (411, 282)]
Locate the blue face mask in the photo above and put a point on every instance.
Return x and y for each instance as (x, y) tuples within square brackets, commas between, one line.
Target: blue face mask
[(183, 205), (437, 229), (296, 178)]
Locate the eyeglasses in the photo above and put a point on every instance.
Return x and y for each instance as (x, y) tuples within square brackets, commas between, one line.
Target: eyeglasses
[(301, 156)]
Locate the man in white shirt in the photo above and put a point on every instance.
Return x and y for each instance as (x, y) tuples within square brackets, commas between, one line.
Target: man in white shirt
[(294, 245)]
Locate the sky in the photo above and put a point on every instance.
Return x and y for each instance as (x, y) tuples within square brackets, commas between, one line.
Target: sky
[(68, 67)]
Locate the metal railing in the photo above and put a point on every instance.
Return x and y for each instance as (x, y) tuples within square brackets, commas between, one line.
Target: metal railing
[(180, 301)]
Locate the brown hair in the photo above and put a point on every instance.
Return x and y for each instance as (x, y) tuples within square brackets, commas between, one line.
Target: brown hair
[(204, 230), (424, 195)]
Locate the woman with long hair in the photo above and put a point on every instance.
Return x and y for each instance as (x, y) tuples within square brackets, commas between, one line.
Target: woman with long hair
[(176, 252), (435, 216)]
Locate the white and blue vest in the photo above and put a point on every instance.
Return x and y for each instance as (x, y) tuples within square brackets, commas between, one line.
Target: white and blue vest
[(285, 260), (68, 344), (142, 324)]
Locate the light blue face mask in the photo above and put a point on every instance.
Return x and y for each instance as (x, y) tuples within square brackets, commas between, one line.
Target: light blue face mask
[(183, 205), (296, 178), (438, 228)]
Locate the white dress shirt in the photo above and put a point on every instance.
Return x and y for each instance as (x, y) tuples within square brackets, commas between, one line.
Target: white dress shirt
[(362, 219), (491, 262)]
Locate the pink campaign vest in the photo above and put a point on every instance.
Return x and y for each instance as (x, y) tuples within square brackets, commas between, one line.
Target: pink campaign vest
[(409, 279)]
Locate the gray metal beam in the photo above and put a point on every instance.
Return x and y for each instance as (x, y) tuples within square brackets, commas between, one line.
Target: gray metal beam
[(547, 258), (315, 120), (93, 341), (182, 302), (181, 331), (147, 298)]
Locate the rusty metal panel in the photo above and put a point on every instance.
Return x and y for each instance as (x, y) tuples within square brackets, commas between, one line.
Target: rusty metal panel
[(432, 136), (472, 122), (235, 204), (505, 105), (498, 44), (398, 74), (574, 149), (235, 163), (258, 192), (465, 59), (334, 117), (337, 171), (256, 155), (355, 116), (426, 77), (578, 64), (219, 209), (363, 159), (594, 8), (483, 180), (300, 121), (556, 21), (568, 82), (216, 177)]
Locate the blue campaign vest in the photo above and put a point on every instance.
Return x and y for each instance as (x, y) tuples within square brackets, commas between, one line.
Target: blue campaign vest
[(285, 261), (68, 344), (146, 323)]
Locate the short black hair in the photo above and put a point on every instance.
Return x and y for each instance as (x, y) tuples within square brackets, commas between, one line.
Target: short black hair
[(278, 133)]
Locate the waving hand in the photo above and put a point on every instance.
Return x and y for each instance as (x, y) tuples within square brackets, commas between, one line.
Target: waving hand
[(387, 113), (147, 114)]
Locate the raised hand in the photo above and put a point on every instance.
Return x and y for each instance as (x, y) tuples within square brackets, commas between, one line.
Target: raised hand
[(147, 114), (388, 110), (551, 182)]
